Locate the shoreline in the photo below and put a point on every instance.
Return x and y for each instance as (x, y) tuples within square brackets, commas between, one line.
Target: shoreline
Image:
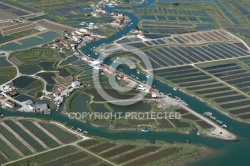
[(189, 159)]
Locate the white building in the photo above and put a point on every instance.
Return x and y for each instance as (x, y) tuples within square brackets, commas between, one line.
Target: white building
[(31, 107), (91, 25), (95, 64), (154, 95), (8, 88), (76, 84), (9, 104), (41, 107)]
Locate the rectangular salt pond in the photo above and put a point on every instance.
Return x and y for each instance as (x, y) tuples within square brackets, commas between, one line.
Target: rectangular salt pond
[(158, 58), (15, 141), (191, 79), (39, 133), (204, 27), (161, 17), (215, 54), (148, 17), (185, 76), (212, 90), (221, 94), (243, 85), (236, 104), (31, 42), (240, 110), (177, 73), (170, 53), (219, 66), (205, 86), (181, 68), (237, 76), (202, 82), (24, 135), (210, 20), (228, 99), (225, 73)]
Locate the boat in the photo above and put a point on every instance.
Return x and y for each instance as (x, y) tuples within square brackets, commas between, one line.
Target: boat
[(145, 130), (198, 133), (85, 132), (82, 23), (79, 129), (1, 115), (208, 113)]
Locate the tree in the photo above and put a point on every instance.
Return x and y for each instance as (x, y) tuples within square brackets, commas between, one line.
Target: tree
[(176, 4)]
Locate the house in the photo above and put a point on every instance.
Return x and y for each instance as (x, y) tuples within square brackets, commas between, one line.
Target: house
[(9, 104), (151, 90), (154, 95), (56, 94), (13, 93), (98, 10), (8, 87), (76, 84), (115, 23)]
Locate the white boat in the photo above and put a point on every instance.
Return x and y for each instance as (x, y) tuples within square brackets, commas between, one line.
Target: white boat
[(79, 129), (224, 125), (82, 23), (145, 130), (85, 132), (198, 133), (208, 113)]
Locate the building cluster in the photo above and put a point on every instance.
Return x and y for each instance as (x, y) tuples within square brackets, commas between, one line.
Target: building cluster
[(9, 87), (109, 3), (9, 104), (37, 107), (57, 97), (120, 20), (9, 92)]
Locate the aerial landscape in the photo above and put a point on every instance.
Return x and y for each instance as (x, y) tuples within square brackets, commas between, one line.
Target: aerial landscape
[(124, 82)]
